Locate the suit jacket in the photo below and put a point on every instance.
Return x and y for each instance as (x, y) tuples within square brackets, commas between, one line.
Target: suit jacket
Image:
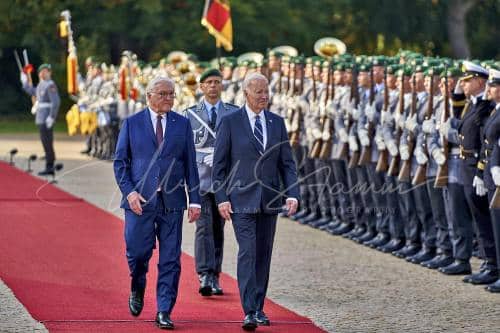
[(250, 181), (143, 166), (203, 140), (490, 136)]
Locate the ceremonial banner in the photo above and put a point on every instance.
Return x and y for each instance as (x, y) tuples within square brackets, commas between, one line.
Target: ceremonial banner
[(217, 19)]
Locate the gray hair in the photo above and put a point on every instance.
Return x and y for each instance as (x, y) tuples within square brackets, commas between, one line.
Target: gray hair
[(255, 76), (157, 80)]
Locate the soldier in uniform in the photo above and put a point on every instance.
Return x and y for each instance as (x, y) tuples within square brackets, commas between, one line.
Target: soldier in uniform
[(470, 127), (491, 174), (209, 236), (45, 110)]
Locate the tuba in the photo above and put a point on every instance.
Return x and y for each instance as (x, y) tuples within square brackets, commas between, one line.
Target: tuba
[(328, 47), (287, 50)]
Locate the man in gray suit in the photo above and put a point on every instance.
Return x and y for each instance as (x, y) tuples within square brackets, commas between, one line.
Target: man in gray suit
[(209, 236), (45, 110)]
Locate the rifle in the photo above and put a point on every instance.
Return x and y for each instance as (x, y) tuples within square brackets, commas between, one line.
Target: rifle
[(353, 161), (495, 201), (420, 174), (297, 114), (394, 166), (314, 153), (327, 130), (383, 156), (404, 172), (280, 76), (317, 144), (442, 172), (366, 151)]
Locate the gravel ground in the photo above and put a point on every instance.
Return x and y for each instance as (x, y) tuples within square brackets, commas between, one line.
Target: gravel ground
[(340, 285)]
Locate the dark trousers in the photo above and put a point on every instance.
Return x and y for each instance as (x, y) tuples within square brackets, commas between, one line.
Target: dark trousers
[(409, 213), (301, 160), (47, 138), (439, 216), (365, 192), (396, 223), (209, 237), (339, 190), (424, 214), (140, 233), (323, 174), (355, 212), (377, 181), (460, 221), (255, 237), (309, 179), (495, 219), (479, 207)]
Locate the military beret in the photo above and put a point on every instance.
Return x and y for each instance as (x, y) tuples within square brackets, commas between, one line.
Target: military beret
[(340, 66), (365, 67), (378, 61), (44, 66), (392, 69), (406, 71), (210, 72), (451, 72)]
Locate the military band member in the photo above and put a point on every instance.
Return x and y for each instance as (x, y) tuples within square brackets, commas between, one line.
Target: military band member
[(45, 110), (209, 235)]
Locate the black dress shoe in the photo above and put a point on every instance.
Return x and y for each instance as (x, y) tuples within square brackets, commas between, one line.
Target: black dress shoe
[(163, 321), (458, 267), (494, 287), (309, 218), (300, 214), (367, 236), (249, 322), (262, 319), (441, 260), (216, 289), (331, 226), (320, 222), (425, 254), (356, 232), (487, 276), (343, 228), (381, 239), (136, 302), (205, 285), (408, 250), (46, 172), (394, 245), (85, 151)]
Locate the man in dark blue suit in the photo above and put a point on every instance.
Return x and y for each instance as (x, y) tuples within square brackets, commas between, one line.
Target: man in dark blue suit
[(155, 163), (252, 158)]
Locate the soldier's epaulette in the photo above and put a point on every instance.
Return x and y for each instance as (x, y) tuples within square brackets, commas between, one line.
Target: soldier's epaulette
[(480, 165), (458, 103), (231, 104)]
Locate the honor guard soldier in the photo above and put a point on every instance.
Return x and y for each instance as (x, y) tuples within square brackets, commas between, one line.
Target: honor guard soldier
[(470, 127), (209, 235), (45, 110)]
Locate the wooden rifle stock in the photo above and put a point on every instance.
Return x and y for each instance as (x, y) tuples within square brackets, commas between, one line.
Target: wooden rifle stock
[(495, 201), (328, 126), (383, 156), (366, 151), (442, 172), (405, 171)]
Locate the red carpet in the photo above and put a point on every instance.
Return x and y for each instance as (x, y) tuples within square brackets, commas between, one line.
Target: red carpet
[(65, 261)]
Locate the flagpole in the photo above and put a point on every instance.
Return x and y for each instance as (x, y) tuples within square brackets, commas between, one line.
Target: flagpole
[(217, 51)]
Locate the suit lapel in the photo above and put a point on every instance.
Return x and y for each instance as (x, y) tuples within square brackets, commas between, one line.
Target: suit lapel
[(248, 128), (269, 131), (148, 125)]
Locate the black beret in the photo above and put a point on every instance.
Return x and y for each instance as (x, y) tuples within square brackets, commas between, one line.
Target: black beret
[(210, 72)]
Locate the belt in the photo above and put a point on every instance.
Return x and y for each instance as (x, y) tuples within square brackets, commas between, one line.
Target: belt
[(464, 153), (455, 151), (44, 105)]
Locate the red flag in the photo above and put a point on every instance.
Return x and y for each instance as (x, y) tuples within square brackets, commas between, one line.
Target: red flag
[(217, 19)]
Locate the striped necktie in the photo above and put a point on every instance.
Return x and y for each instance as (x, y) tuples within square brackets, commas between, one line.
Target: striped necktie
[(258, 133), (159, 130)]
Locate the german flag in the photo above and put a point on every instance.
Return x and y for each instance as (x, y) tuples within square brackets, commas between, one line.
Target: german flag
[(217, 19)]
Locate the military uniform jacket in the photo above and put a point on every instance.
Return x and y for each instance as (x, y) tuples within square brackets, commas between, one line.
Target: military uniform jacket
[(426, 141), (204, 141), (469, 129), (47, 98), (490, 136)]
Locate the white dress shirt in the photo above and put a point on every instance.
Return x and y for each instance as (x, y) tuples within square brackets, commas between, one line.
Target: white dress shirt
[(209, 107), (251, 117), (154, 120)]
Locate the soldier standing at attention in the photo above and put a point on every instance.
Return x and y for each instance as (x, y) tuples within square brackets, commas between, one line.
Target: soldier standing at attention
[(45, 110), (209, 236)]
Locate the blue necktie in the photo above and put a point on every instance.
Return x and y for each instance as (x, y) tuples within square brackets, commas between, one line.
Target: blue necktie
[(258, 133), (213, 117), (159, 130)]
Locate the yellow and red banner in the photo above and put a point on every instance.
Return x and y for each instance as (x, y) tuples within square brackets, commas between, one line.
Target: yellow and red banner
[(217, 19)]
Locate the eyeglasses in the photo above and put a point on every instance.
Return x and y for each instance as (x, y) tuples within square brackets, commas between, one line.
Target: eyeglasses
[(164, 94)]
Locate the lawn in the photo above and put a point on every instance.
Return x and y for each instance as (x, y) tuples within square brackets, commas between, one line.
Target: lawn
[(12, 125)]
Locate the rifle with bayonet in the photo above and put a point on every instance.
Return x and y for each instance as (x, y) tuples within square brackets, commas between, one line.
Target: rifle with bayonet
[(442, 171), (383, 155), (297, 113), (317, 145), (420, 175), (394, 166), (366, 151), (354, 160), (405, 171), (314, 109), (328, 126)]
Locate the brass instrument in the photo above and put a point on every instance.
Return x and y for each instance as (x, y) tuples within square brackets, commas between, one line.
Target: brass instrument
[(287, 50), (328, 47)]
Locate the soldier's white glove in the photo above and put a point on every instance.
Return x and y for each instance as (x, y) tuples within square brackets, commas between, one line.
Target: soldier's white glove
[(386, 117), (208, 160), (363, 138), (438, 156), (370, 112), (404, 152), (478, 183), (411, 123), (428, 126), (392, 148), (49, 122), (355, 113), (401, 122), (24, 78), (458, 88), (379, 141), (444, 128), (343, 135), (317, 134), (353, 144), (495, 174), (421, 157)]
